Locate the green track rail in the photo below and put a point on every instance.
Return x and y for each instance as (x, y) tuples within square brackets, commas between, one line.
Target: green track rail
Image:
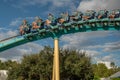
[(56, 32)]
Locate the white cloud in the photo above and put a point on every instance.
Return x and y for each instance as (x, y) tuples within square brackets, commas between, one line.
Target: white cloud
[(12, 33), (91, 42), (17, 59), (107, 47), (83, 40), (17, 52), (92, 53), (18, 21), (7, 34), (15, 22), (108, 58), (2, 29), (3, 59), (98, 4), (54, 6), (57, 3), (112, 46), (30, 48)]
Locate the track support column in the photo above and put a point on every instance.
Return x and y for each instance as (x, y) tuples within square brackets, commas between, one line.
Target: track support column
[(56, 71), (53, 72)]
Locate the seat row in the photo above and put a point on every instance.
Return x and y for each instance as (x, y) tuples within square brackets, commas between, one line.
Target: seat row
[(64, 17)]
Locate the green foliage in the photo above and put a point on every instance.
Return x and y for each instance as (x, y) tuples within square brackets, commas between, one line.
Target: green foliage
[(34, 67), (101, 70), (7, 65), (73, 66), (116, 79), (96, 78)]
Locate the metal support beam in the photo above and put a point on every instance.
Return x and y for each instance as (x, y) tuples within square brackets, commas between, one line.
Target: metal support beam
[(53, 73), (56, 72)]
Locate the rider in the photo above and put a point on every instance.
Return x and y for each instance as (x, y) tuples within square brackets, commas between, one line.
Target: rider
[(102, 14), (24, 28), (117, 13), (21, 30), (37, 24), (64, 18), (90, 14), (50, 22), (76, 16), (112, 15), (47, 24), (52, 19)]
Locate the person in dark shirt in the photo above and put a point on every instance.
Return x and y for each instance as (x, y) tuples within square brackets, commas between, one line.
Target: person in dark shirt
[(102, 14)]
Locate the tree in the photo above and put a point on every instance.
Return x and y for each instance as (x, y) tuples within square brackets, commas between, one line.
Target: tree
[(100, 70), (7, 64), (73, 66), (76, 66), (34, 67), (112, 64)]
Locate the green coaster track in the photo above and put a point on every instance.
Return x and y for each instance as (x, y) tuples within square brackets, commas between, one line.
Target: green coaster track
[(70, 27)]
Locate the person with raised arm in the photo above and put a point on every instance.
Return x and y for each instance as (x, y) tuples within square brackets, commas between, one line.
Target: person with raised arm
[(89, 14), (37, 24), (76, 15), (25, 27), (52, 18), (64, 18)]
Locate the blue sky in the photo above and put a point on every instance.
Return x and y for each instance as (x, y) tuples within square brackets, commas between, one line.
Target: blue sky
[(102, 45)]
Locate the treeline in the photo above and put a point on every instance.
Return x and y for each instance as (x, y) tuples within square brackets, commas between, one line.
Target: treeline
[(101, 71), (73, 66)]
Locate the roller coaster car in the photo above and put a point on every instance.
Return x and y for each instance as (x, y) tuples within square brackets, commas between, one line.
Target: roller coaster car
[(93, 22), (55, 28), (117, 23), (67, 25), (80, 24), (111, 22), (42, 32), (64, 25), (28, 36), (105, 22)]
